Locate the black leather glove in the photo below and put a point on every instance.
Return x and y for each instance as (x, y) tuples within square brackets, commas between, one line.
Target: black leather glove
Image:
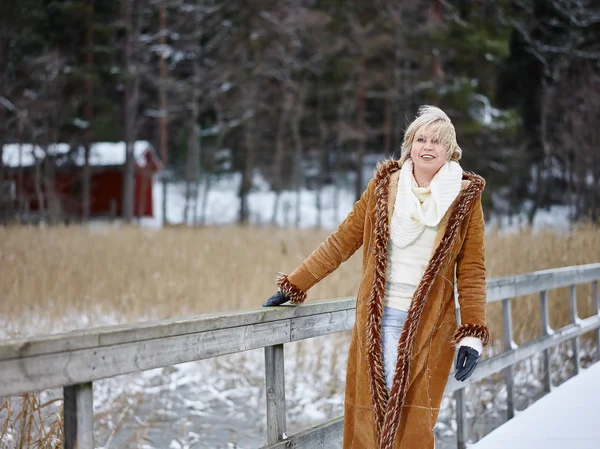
[(276, 300), (466, 362)]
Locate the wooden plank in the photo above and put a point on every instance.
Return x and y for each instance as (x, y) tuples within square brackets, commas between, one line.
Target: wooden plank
[(524, 284), (317, 325), (546, 330), (508, 344), (326, 435), (275, 391), (462, 428), (575, 320), (490, 366), (79, 416), (85, 365), (112, 335)]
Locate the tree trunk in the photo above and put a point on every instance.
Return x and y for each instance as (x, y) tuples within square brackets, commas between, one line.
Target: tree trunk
[(205, 192), (164, 139), (164, 153), (39, 193), (543, 167), (400, 85), (322, 155), (249, 105), (131, 98), (298, 147), (193, 162), (248, 152), (363, 138), (22, 201), (246, 181), (388, 127), (279, 153), (86, 181), (209, 170)]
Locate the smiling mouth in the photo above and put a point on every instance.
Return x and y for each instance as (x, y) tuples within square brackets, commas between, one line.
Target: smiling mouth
[(428, 157)]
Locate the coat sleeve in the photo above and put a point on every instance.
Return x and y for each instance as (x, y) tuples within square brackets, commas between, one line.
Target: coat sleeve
[(471, 281), (337, 248)]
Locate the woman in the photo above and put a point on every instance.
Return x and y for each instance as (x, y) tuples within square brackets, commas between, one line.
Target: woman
[(420, 222)]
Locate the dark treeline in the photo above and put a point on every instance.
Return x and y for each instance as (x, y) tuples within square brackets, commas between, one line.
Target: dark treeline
[(300, 90)]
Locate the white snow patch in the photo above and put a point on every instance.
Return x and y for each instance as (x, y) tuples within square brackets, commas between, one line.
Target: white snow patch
[(101, 153), (563, 418)]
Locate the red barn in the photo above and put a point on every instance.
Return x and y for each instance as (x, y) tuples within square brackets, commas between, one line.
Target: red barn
[(38, 182)]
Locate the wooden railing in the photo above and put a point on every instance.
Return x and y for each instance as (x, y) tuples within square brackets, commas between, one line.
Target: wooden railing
[(75, 360)]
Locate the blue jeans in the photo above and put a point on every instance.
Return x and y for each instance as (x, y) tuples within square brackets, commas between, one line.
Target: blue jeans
[(391, 328)]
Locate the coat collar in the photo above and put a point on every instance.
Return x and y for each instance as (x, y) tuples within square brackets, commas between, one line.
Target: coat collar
[(387, 410), (393, 190)]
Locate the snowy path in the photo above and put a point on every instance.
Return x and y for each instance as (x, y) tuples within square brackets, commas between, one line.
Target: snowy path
[(567, 417)]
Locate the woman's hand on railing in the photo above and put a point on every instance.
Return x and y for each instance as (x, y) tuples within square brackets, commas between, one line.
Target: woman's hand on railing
[(276, 300)]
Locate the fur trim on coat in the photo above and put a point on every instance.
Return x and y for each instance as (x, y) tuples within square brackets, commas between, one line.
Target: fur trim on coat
[(296, 295)]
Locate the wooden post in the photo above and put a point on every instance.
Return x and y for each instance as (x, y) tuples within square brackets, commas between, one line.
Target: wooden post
[(575, 320), (275, 389), (597, 307), (79, 414), (462, 429), (546, 330), (508, 345)]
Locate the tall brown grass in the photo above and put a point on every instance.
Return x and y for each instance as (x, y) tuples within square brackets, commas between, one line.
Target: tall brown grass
[(64, 278), (132, 274), (27, 423)]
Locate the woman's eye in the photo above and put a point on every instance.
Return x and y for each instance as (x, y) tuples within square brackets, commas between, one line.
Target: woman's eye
[(420, 139)]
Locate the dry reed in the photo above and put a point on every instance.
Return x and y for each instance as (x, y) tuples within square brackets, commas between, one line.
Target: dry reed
[(29, 422), (65, 278)]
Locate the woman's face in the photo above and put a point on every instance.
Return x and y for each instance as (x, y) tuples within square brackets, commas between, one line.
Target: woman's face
[(427, 153)]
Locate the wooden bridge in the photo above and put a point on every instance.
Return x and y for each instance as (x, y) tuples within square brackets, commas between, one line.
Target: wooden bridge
[(75, 360)]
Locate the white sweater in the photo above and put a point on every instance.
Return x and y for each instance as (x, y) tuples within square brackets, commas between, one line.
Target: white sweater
[(406, 265)]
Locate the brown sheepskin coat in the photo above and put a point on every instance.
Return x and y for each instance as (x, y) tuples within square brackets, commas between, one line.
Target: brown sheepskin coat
[(405, 419)]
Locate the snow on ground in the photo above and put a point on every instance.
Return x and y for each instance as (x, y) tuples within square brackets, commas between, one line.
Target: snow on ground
[(223, 204), (336, 201), (566, 417), (101, 153), (556, 217)]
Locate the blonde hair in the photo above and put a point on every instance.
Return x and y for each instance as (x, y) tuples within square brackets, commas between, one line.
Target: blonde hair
[(442, 128)]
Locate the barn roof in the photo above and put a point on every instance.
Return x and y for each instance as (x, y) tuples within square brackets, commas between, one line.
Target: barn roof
[(102, 153)]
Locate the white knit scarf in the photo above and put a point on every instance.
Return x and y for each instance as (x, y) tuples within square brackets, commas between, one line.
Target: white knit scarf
[(410, 216)]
